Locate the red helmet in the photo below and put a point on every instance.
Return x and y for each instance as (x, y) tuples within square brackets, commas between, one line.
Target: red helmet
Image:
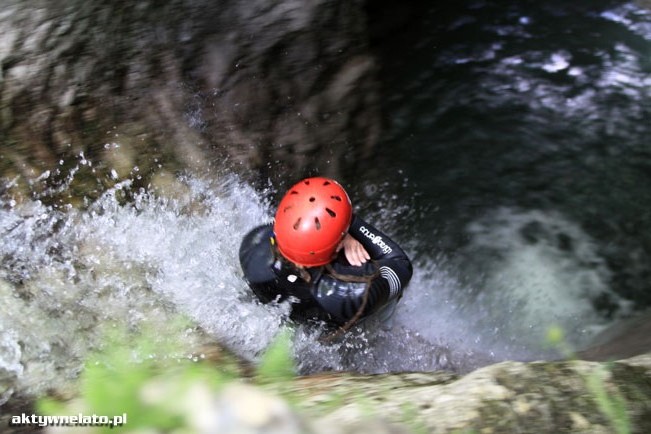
[(312, 218)]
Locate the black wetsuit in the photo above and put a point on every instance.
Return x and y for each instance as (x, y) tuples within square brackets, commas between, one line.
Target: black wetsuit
[(326, 298)]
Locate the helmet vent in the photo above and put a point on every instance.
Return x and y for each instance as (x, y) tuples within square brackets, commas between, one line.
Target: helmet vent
[(337, 198), (326, 183), (293, 192), (312, 199), (298, 222), (317, 223), (287, 208), (331, 212)]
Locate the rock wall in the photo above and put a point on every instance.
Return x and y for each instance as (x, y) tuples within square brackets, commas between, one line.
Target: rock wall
[(274, 89), (509, 397)]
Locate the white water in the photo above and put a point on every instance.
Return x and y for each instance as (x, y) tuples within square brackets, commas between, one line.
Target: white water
[(64, 272), (534, 270)]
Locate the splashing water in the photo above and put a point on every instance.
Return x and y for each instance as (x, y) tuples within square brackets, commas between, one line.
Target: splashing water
[(532, 270), (65, 271), (193, 249)]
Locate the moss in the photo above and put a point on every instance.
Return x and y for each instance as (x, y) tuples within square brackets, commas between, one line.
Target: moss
[(277, 363), (144, 373), (553, 397), (634, 386)]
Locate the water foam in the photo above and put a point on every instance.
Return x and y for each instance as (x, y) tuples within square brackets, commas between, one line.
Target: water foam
[(66, 270), (192, 248), (534, 270)]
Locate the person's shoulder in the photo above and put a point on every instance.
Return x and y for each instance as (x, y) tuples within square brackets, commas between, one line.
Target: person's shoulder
[(256, 257), (257, 238), (258, 234)]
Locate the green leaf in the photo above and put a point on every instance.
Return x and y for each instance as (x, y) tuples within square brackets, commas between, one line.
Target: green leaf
[(277, 363)]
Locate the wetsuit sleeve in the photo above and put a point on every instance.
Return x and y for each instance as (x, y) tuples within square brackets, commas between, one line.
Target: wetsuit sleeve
[(342, 300), (393, 263), (256, 261)]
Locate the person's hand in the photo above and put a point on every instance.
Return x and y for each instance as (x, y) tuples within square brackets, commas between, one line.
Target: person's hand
[(355, 253)]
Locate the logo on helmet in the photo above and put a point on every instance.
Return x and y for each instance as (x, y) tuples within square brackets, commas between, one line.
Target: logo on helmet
[(376, 240)]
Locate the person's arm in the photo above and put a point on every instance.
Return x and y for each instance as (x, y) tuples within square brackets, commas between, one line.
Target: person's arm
[(354, 251), (393, 263), (376, 243), (343, 300)]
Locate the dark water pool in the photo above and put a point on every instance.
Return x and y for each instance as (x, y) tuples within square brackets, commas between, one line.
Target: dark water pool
[(523, 107)]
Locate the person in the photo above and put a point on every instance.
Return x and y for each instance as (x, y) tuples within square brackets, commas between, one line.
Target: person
[(330, 264)]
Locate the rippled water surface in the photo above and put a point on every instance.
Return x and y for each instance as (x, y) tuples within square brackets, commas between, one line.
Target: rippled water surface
[(524, 131)]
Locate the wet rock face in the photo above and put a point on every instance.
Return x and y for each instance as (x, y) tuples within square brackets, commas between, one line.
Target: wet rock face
[(541, 397), (574, 396), (628, 338), (272, 88), (295, 84)]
